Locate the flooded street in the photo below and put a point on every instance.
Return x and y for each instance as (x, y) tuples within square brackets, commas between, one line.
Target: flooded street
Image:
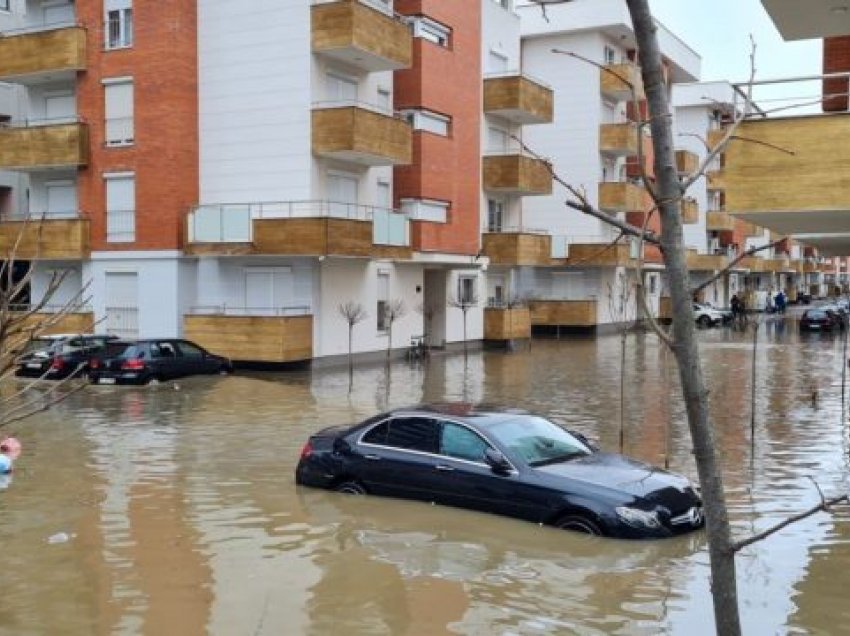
[(182, 516)]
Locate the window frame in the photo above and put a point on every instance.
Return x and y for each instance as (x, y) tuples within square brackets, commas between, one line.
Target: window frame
[(381, 303), (431, 31), (461, 279), (114, 83), (487, 443), (125, 25), (120, 176), (6, 6)]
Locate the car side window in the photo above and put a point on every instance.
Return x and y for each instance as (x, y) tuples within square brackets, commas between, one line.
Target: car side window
[(414, 433), (461, 443), (163, 350), (189, 350), (378, 434)]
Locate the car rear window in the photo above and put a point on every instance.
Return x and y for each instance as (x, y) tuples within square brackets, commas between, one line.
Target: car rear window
[(818, 315), (126, 351)]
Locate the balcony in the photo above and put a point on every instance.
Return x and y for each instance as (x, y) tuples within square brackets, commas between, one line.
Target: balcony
[(516, 174), (705, 262), (619, 140), (719, 221), (64, 145), (503, 324), (299, 228), (360, 34), (517, 248), (29, 55), (754, 264), (617, 81), (247, 334), (714, 137), (687, 162), (690, 211), (61, 319), (518, 98), (361, 134), (598, 255), (620, 196), (46, 239), (715, 180), (563, 313)]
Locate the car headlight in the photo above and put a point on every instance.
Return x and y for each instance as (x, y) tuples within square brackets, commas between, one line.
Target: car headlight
[(638, 518)]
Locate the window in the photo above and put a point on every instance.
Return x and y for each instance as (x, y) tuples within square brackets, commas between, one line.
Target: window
[(413, 433), (461, 443), (120, 208), (497, 62), (425, 210), (119, 24), (119, 112), (428, 121), (189, 350), (163, 350), (430, 30), (466, 293), (609, 55), (340, 88), (385, 100), (268, 290), (495, 213), (383, 296), (384, 194), (4, 5), (378, 435), (498, 140), (343, 195)]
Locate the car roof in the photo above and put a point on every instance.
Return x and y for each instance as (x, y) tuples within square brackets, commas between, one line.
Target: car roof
[(480, 413)]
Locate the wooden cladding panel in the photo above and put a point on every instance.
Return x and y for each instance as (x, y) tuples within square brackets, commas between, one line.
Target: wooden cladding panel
[(565, 313), (253, 338), (690, 211), (815, 177), (705, 262), (534, 102), (622, 197), (507, 324), (754, 264), (351, 130), (719, 221), (516, 174), (615, 81), (714, 138), (43, 52), (687, 162), (716, 180), (82, 322), (49, 239), (61, 145), (350, 24), (665, 308), (313, 237), (619, 139), (598, 255), (517, 249)]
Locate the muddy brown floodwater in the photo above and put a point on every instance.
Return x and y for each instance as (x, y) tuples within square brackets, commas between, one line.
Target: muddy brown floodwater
[(182, 517)]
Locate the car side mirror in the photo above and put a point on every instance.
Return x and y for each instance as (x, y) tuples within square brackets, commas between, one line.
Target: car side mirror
[(497, 462), (341, 447)]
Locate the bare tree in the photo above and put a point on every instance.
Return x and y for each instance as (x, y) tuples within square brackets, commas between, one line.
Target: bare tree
[(619, 304), (353, 313), (464, 302), (393, 310)]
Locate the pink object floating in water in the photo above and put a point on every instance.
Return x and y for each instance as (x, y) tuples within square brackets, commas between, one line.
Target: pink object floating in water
[(10, 447)]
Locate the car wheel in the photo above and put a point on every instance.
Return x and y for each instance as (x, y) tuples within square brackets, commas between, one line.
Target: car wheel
[(578, 523), (154, 380), (350, 488), (704, 321)]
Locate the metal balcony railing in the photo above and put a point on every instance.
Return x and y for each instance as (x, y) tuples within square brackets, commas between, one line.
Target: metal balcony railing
[(234, 310)]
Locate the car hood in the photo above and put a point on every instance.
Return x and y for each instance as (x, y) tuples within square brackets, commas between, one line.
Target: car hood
[(617, 473)]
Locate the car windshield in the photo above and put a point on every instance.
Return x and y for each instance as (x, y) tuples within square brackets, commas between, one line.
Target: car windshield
[(537, 441), (817, 315)]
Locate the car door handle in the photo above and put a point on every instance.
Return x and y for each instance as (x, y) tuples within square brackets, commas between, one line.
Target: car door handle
[(444, 468), (373, 458)]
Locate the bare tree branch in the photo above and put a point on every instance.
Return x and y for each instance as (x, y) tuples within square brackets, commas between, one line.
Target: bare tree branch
[(721, 273)]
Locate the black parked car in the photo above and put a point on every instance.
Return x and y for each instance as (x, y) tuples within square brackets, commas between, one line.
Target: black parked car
[(501, 461), (818, 320), (154, 360), (58, 357)]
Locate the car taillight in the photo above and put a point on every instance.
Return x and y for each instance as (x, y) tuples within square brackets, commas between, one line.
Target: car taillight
[(94, 363), (57, 364), (133, 365), (306, 451)]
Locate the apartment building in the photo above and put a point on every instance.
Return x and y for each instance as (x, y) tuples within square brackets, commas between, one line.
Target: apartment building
[(234, 172)]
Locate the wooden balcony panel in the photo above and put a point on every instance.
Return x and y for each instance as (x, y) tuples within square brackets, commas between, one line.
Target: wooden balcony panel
[(517, 175), (617, 81), (74, 322), (42, 147), (361, 136), (517, 248), (598, 255), (28, 56), (754, 264), (620, 140), (507, 324), (714, 137), (687, 162), (60, 239), (253, 338), (719, 221), (690, 211), (358, 35), (518, 99), (809, 267), (313, 237), (563, 313), (715, 180), (622, 197), (706, 262)]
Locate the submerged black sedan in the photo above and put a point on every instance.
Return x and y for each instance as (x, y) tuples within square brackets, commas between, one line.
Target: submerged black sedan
[(503, 461)]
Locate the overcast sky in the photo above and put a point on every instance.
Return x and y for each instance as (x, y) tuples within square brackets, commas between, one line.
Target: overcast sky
[(719, 31)]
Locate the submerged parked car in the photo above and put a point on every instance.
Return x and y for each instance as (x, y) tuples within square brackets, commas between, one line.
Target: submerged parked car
[(60, 356), (818, 320), (153, 361), (501, 461)]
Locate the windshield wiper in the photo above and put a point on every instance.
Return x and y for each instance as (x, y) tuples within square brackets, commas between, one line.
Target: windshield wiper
[(557, 459)]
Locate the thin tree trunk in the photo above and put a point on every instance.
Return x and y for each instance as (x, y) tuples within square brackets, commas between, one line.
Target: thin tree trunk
[(623, 391), (350, 354), (722, 557), (753, 390)]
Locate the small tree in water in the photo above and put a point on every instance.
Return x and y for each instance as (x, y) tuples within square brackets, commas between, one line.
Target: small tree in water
[(393, 310), (465, 300), (353, 313)]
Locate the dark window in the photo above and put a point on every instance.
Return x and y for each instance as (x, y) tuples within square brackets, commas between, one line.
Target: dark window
[(163, 350), (461, 443), (190, 350), (413, 433), (377, 435), (133, 351)]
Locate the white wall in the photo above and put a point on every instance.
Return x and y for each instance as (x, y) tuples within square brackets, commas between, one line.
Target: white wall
[(254, 100), (67, 294), (694, 121)]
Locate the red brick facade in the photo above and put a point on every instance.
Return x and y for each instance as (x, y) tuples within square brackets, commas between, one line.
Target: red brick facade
[(164, 157), (836, 59), (446, 80)]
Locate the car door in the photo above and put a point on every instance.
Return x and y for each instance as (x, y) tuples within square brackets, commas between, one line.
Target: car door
[(195, 359), (166, 360), (397, 457)]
